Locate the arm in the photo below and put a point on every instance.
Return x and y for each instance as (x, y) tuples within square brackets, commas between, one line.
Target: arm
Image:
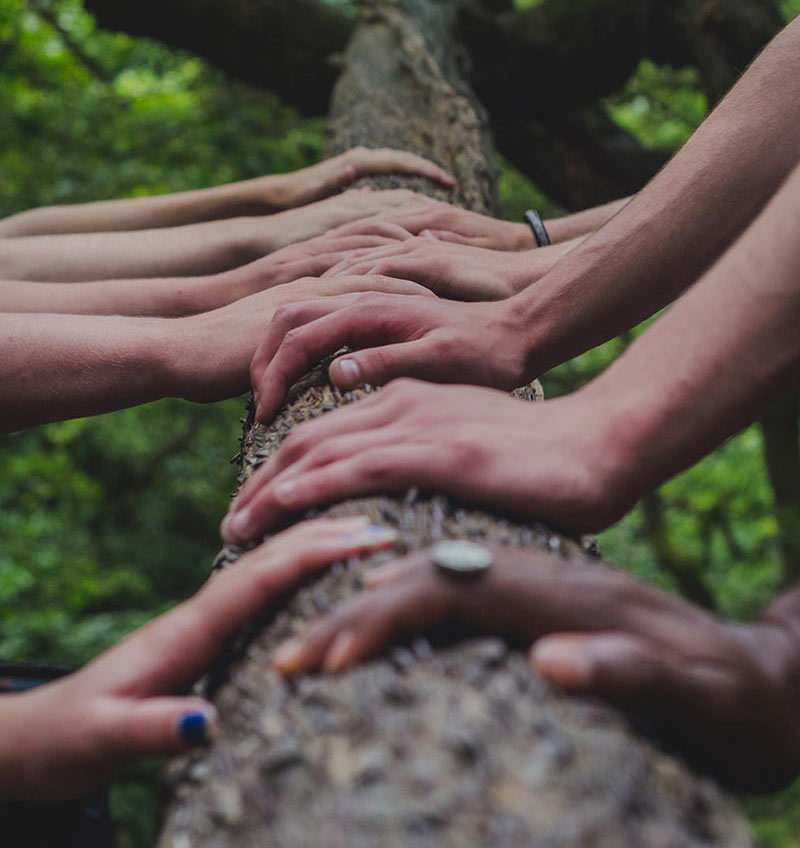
[(65, 738), (177, 296), (190, 250), (453, 270), (63, 366), (708, 367), (645, 257), (259, 196), (724, 693), (450, 223)]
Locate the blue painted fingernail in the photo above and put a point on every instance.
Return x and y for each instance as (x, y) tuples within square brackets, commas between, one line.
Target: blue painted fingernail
[(195, 728)]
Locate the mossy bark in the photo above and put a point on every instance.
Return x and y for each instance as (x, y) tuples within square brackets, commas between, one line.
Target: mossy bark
[(448, 742)]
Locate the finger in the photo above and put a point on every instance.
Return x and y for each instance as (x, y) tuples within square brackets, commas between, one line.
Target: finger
[(458, 238), (371, 412), (626, 669), (385, 469), (388, 161), (358, 260), (169, 653), (371, 226), (366, 624), (296, 349), (381, 365), (130, 728), (331, 287)]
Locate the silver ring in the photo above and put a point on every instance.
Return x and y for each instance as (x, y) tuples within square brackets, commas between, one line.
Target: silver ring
[(460, 558)]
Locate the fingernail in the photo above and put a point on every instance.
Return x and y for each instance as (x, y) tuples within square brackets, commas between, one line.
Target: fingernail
[(288, 658), (338, 657), (284, 491), (197, 728), (236, 525), (259, 413), (349, 372), (563, 663), (371, 536), (382, 574)]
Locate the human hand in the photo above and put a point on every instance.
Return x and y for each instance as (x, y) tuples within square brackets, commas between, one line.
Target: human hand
[(457, 271), (338, 172), (723, 692), (209, 354), (305, 222), (436, 340), (309, 258), (454, 224), (61, 740), (479, 445)]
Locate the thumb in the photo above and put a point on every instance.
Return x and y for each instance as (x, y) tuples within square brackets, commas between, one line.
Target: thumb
[(616, 666), (380, 365), (159, 726)]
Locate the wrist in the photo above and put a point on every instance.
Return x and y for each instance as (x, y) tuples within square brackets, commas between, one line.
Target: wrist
[(521, 236)]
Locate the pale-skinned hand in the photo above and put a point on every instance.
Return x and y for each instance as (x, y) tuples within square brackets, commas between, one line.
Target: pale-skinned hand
[(309, 258), (436, 340), (723, 692), (451, 270), (211, 352), (452, 223), (338, 172), (540, 460), (65, 738)]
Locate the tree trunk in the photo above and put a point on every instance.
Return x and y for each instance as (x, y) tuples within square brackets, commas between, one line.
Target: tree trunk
[(453, 745)]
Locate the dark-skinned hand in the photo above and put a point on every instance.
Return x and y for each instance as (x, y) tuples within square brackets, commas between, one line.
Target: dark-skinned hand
[(726, 693)]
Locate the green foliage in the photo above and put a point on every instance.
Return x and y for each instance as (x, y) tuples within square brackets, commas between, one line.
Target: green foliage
[(661, 106)]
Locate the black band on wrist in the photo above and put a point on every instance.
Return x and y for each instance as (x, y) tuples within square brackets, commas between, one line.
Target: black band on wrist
[(534, 219)]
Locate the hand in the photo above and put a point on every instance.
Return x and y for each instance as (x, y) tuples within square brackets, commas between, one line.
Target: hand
[(338, 172), (539, 460), (210, 353), (451, 223), (309, 258), (305, 222), (63, 739), (434, 340), (723, 692), (456, 271)]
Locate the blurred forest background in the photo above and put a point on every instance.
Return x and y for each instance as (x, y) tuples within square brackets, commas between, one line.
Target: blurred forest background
[(106, 522)]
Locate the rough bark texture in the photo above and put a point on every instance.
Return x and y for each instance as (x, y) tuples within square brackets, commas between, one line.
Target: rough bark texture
[(448, 742)]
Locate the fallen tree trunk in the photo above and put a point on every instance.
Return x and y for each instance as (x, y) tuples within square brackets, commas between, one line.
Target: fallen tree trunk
[(452, 745)]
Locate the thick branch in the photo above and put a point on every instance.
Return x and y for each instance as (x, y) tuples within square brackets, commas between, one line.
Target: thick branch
[(283, 46)]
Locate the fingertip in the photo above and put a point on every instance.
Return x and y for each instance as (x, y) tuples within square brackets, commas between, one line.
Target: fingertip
[(289, 658), (198, 726), (340, 655), (237, 525), (565, 661), (348, 175), (345, 373)]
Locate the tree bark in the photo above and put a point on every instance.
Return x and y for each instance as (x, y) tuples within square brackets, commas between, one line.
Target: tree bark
[(453, 742)]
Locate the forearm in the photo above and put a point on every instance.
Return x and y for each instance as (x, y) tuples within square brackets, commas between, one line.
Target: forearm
[(191, 250), (666, 237), (708, 367), (583, 223), (258, 196), (55, 367), (150, 297)]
